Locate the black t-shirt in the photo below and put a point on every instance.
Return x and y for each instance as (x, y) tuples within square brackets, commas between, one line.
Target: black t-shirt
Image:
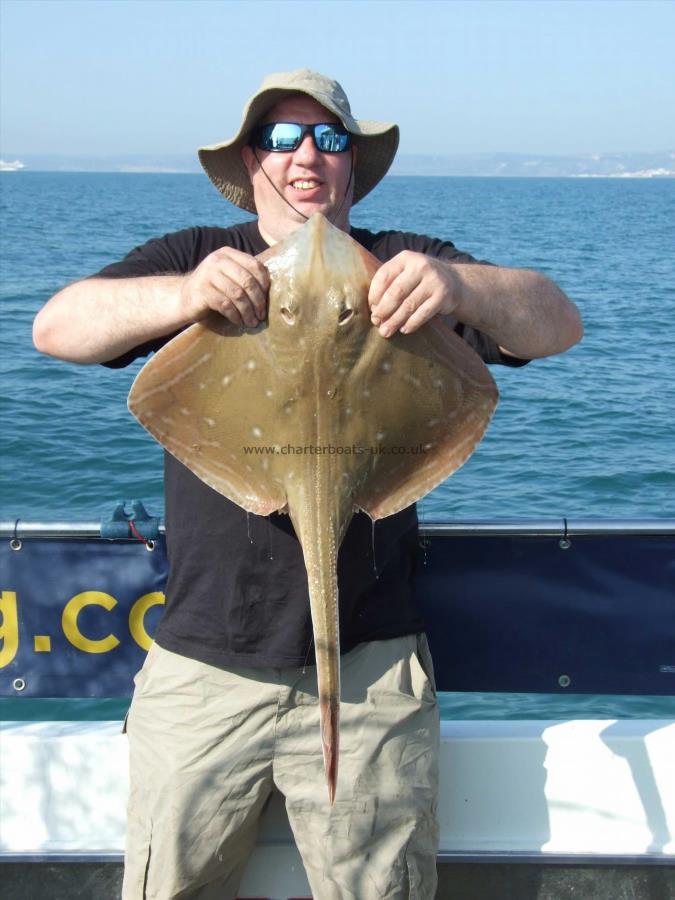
[(237, 588)]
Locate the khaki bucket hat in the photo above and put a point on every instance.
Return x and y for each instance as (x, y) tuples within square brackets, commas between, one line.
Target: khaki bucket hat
[(377, 142)]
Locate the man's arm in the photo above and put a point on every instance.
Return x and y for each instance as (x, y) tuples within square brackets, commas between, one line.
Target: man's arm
[(523, 311), (100, 319)]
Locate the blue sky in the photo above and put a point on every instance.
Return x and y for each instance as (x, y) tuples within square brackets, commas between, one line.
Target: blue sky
[(96, 77)]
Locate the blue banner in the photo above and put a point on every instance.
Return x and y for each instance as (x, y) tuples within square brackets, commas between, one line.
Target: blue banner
[(77, 616), (503, 613)]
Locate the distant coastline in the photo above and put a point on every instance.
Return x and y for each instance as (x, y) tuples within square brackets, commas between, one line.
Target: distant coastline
[(503, 165)]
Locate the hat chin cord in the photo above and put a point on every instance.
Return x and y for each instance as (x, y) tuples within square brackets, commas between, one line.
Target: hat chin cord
[(332, 218)]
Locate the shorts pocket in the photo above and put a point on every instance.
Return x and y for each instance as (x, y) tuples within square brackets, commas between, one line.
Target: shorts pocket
[(422, 657)]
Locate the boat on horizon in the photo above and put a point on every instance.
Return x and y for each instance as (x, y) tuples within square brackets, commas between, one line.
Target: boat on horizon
[(14, 166)]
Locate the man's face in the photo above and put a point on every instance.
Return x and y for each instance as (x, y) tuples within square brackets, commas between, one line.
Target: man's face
[(311, 181)]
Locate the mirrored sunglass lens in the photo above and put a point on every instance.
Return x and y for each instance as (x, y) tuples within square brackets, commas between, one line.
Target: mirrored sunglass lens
[(330, 140), (281, 136)]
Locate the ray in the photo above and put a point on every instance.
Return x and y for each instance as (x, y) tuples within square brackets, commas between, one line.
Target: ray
[(381, 421)]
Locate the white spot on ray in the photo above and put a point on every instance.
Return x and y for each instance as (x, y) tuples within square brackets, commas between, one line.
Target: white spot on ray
[(380, 435), (386, 366), (184, 411), (227, 380), (269, 392), (251, 365), (256, 432), (210, 422)]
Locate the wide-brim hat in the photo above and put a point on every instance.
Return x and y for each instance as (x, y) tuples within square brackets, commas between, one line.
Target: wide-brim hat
[(377, 142)]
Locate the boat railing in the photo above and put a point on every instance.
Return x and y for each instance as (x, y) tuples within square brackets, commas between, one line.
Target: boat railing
[(480, 527)]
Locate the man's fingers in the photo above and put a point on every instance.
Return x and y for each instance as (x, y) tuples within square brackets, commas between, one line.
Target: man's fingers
[(423, 314), (416, 308), (232, 301), (396, 296), (252, 279), (382, 279)]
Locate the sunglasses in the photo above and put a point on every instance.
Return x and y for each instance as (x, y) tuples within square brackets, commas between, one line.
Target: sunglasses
[(284, 137)]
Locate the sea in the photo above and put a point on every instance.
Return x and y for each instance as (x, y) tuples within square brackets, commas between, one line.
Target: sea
[(586, 434)]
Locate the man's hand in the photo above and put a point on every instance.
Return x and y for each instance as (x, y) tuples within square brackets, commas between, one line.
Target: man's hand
[(230, 282), (409, 290), (525, 313)]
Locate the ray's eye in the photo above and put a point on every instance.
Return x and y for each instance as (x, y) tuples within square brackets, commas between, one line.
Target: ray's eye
[(345, 316), (287, 315)]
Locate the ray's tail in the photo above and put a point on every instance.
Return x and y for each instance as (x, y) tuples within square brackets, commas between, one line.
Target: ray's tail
[(330, 739), (321, 562), (320, 526)]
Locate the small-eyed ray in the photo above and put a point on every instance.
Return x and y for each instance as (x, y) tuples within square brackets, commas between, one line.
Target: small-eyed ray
[(375, 423)]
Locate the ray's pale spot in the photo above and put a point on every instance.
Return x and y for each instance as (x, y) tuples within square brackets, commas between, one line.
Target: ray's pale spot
[(256, 432), (366, 392), (251, 365), (386, 366), (269, 392), (433, 422), (184, 411), (380, 435), (210, 422)]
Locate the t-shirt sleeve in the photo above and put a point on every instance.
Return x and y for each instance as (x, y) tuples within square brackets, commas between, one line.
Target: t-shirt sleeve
[(385, 245), (173, 254)]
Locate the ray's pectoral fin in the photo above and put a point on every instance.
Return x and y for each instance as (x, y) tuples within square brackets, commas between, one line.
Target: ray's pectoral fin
[(431, 401), (200, 396)]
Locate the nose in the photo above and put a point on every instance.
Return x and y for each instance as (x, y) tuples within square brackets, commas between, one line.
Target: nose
[(306, 154)]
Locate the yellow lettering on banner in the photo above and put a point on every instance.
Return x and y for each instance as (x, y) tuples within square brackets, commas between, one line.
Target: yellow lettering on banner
[(137, 618), (71, 629), (9, 628)]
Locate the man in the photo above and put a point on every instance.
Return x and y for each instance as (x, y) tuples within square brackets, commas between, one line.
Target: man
[(225, 706)]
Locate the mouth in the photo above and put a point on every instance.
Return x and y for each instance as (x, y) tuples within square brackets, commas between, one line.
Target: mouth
[(305, 184)]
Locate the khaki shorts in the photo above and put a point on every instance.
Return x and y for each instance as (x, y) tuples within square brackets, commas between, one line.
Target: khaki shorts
[(207, 746)]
